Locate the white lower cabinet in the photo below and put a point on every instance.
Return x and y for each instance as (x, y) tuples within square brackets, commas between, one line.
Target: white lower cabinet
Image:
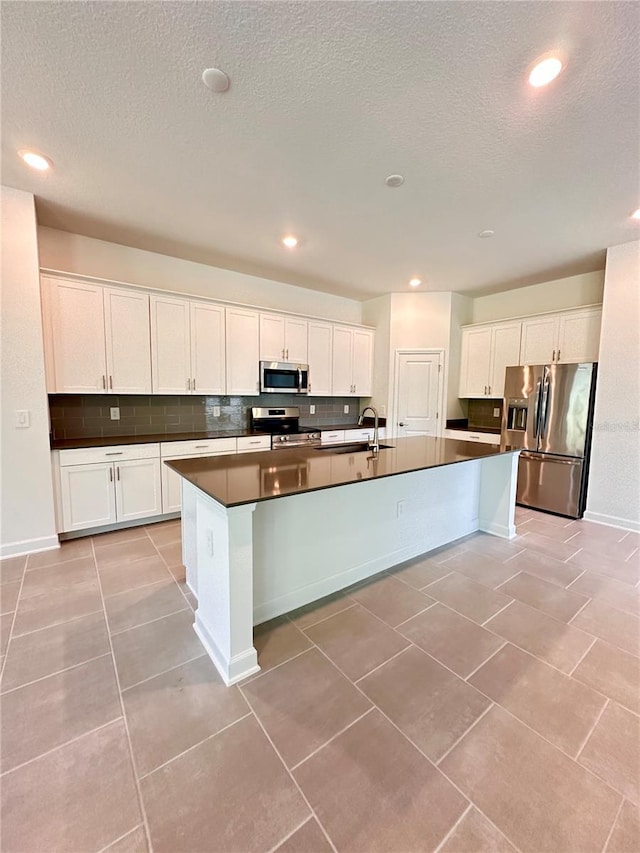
[(254, 443), (469, 435), (105, 485), (171, 482)]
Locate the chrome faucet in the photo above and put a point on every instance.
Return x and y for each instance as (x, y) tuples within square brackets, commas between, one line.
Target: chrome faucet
[(374, 445)]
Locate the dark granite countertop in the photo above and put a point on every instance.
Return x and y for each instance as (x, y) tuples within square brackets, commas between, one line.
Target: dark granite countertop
[(245, 478)]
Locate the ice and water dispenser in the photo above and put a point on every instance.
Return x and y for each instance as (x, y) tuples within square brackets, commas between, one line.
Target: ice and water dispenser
[(517, 414)]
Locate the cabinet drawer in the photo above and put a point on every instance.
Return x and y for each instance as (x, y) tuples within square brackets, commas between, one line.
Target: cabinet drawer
[(249, 443), (117, 453), (203, 447), (464, 435), (334, 436)]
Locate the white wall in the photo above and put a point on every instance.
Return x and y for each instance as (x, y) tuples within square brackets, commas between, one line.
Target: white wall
[(554, 295), (27, 521), (614, 483), (68, 252), (377, 313)]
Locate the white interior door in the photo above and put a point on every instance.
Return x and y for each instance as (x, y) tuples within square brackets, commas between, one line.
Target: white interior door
[(418, 393)]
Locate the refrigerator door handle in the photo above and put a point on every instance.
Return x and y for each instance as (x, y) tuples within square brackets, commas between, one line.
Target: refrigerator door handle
[(546, 394), (536, 413)]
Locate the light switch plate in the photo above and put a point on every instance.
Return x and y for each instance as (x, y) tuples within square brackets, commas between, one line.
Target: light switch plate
[(114, 413), (346, 409), (216, 411), (496, 413), (23, 419), (312, 409)]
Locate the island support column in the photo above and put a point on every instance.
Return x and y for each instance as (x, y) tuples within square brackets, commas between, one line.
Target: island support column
[(224, 566), (497, 497)]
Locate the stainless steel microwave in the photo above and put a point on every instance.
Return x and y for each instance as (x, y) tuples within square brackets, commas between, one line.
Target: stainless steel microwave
[(280, 377)]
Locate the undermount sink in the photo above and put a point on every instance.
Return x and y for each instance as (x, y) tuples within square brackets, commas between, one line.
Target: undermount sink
[(352, 447)]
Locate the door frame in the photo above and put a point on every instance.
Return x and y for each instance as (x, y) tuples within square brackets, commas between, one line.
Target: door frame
[(440, 352)]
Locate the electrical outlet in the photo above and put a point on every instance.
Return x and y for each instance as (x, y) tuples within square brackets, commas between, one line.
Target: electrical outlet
[(210, 542), (401, 508), (216, 411), (312, 409), (496, 413), (346, 409), (114, 413)]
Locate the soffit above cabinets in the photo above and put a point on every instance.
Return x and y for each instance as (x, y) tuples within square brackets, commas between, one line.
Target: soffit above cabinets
[(326, 100)]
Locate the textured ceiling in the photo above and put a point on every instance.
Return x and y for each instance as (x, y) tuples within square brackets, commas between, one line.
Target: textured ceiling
[(326, 99)]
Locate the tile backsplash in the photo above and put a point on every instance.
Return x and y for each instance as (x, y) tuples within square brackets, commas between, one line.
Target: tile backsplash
[(481, 413), (88, 416)]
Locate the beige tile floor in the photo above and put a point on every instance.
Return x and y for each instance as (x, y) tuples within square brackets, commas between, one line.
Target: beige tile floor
[(483, 698)]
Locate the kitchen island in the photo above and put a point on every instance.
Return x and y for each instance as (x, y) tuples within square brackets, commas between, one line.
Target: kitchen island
[(268, 532)]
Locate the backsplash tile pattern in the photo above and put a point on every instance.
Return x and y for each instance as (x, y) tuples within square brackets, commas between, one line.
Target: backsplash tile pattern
[(87, 416), (481, 413)]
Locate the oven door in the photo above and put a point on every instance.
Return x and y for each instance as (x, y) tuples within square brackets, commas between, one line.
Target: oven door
[(277, 377)]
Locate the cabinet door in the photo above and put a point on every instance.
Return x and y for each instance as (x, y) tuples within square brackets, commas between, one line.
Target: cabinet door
[(475, 362), (579, 336), (539, 340), (505, 352), (170, 345), (77, 335), (128, 341), (362, 369), (171, 488), (242, 352), (295, 340), (320, 337), (272, 347), (342, 362), (138, 489), (87, 493), (207, 349)]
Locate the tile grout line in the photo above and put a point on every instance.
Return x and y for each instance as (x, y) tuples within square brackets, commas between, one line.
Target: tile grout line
[(290, 835), (613, 826), (59, 746), (465, 733), (50, 674), (491, 656), (578, 612), (570, 674), (591, 731), (134, 768), (136, 588), (419, 613), (291, 776), (164, 671), (333, 737), (120, 838), (58, 624), (151, 621), (454, 827), (13, 621), (508, 604), (569, 585), (324, 618), (195, 745), (380, 665)]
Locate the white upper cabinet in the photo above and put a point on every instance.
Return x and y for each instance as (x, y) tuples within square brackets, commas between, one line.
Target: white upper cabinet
[(539, 339), (208, 356), (320, 340), (170, 345), (579, 336), (352, 366), (283, 338), (569, 337), (486, 352), (243, 351), (96, 339), (74, 319), (128, 341)]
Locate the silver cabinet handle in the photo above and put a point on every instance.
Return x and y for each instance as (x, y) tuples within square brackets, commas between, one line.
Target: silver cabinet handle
[(110, 383), (193, 384), (201, 446), (104, 382), (115, 453), (117, 472), (255, 442), (489, 389), (558, 359), (111, 475), (485, 390), (553, 357)]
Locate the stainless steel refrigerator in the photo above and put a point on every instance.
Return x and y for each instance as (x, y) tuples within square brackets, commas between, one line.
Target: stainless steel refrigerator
[(548, 412)]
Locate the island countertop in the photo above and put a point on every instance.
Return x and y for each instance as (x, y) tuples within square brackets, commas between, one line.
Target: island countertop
[(248, 478)]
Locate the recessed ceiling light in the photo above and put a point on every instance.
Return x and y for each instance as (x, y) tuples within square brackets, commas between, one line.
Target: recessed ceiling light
[(545, 71), (215, 79), (394, 180), (486, 233), (290, 241), (415, 282), (636, 214), (35, 160)]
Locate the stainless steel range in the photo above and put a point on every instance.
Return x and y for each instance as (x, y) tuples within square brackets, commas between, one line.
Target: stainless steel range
[(283, 424)]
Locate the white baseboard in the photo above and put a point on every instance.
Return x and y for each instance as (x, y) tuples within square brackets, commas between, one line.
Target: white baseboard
[(29, 546), (612, 521), (501, 530), (234, 670)]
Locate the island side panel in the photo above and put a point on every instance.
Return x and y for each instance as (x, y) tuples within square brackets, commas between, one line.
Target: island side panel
[(307, 546), (224, 623), (498, 482), (188, 525)]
